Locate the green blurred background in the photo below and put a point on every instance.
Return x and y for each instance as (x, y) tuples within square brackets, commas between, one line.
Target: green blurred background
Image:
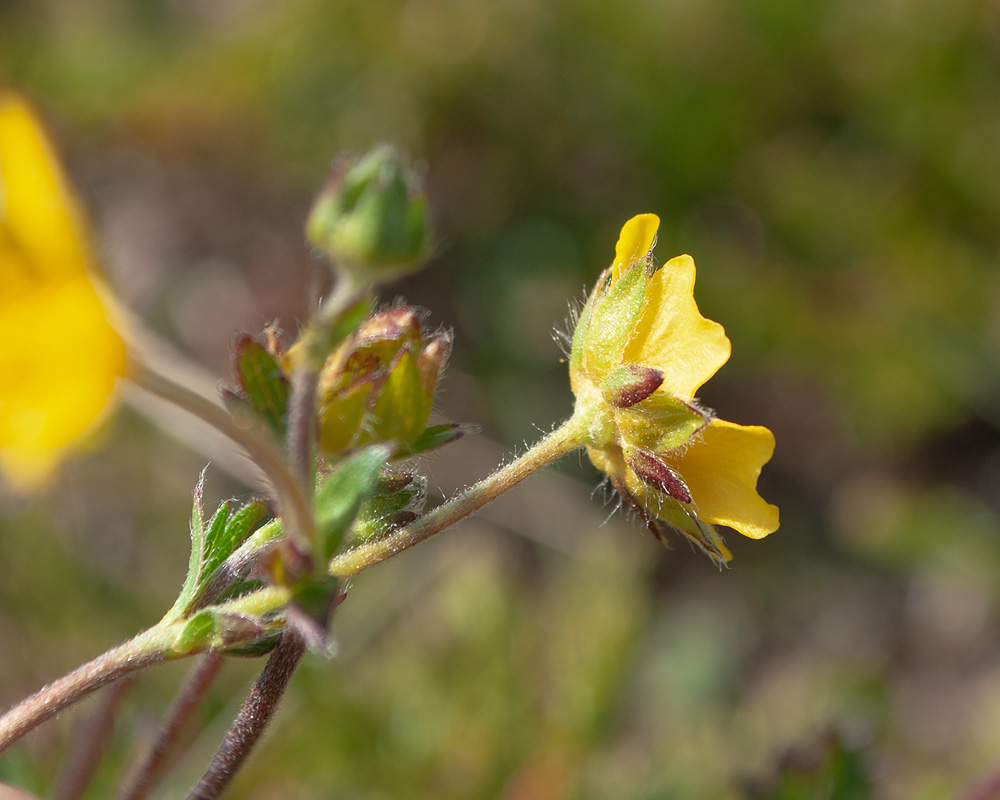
[(833, 167)]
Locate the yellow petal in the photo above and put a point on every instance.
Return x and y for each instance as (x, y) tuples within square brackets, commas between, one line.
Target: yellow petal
[(61, 356), (673, 336), (721, 470), (636, 239), (57, 374), (39, 215)]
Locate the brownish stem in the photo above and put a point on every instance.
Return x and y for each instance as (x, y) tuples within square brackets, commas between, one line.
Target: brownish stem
[(143, 651), (253, 717), (301, 423), (90, 742), (190, 697)]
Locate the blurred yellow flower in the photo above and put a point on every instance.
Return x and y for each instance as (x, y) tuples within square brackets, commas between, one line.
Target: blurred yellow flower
[(61, 357), (641, 349)]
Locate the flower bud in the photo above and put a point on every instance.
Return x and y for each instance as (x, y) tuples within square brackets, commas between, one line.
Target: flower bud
[(379, 386), (397, 500), (371, 217)]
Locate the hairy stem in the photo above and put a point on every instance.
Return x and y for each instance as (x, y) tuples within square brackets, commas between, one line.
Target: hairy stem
[(562, 440), (90, 742), (144, 650), (302, 419), (253, 717), (190, 697)]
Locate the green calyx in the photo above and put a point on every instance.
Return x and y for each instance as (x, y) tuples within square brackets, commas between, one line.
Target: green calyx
[(379, 386)]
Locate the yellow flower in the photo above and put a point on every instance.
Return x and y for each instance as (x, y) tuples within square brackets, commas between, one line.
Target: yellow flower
[(640, 352), (60, 357)]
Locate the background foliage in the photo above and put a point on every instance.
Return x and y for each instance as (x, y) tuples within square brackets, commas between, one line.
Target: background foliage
[(832, 168)]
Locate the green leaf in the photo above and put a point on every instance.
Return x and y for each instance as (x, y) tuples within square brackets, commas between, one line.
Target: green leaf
[(190, 587), (436, 436), (340, 495), (263, 383), (222, 540), (211, 545)]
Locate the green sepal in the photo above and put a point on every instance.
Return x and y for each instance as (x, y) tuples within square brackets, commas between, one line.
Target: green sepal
[(264, 385), (659, 423), (702, 535), (401, 406), (581, 331), (341, 418), (613, 320), (434, 437), (340, 495)]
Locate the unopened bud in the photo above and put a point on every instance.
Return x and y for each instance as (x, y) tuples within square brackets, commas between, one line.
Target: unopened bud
[(371, 217), (380, 386), (399, 497)]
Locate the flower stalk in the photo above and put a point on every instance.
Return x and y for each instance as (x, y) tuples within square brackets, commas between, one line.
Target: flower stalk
[(253, 717), (148, 648), (190, 697), (569, 436)]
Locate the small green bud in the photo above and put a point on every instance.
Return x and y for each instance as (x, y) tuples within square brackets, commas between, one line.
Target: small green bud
[(397, 501), (371, 216)]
